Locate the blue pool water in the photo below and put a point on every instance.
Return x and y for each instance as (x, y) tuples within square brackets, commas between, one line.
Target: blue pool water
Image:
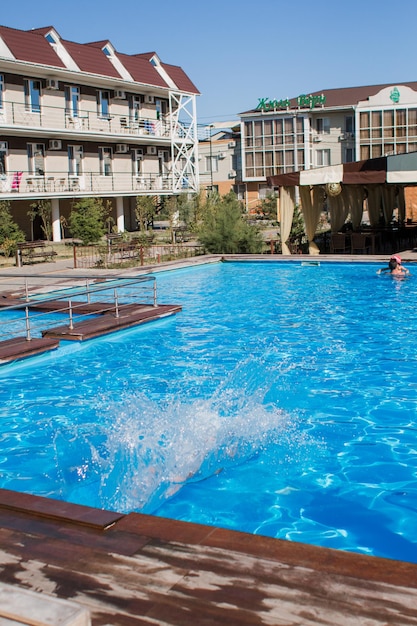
[(281, 401)]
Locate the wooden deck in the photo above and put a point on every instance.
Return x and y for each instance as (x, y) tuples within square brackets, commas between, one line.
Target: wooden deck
[(20, 348), (108, 322), (105, 321), (142, 570)]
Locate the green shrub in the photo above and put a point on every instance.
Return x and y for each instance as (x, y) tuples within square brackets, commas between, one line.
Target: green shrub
[(10, 233), (87, 220)]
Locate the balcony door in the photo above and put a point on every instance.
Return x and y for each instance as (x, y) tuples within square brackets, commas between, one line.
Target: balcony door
[(72, 101), (106, 157), (36, 159), (33, 95)]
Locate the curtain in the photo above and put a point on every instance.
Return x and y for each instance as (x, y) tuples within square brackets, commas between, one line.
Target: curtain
[(311, 206), (339, 209), (355, 195), (374, 204), (401, 204), (286, 208), (388, 202)]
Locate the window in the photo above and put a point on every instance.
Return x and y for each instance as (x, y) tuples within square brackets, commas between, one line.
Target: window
[(322, 157), (36, 159), (135, 103), (163, 159), (105, 156), (323, 125), (349, 155), (137, 158), (72, 101), (75, 160), (214, 167), (3, 155), (1, 90), (161, 108), (349, 125), (33, 95), (103, 104)]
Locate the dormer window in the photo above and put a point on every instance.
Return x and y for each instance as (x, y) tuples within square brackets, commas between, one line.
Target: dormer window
[(154, 62), (49, 37), (107, 51)]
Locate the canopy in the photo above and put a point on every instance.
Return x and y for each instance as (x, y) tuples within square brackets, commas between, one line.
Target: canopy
[(384, 179), (394, 169)]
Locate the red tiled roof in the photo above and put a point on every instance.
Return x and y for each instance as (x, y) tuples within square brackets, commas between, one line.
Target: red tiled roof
[(90, 59), (30, 46), (141, 70), (98, 44), (348, 96), (180, 78)]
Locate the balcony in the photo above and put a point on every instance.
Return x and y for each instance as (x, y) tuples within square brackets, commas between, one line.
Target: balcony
[(22, 185), (18, 116)]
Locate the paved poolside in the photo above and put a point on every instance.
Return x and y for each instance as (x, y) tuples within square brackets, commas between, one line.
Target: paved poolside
[(139, 569)]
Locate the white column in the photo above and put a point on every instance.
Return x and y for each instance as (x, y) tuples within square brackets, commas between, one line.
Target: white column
[(56, 224), (120, 215)]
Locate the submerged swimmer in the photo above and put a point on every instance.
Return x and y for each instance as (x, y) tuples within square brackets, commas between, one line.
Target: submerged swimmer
[(395, 267)]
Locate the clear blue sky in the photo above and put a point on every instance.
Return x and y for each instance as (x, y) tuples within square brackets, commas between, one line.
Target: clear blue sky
[(236, 51)]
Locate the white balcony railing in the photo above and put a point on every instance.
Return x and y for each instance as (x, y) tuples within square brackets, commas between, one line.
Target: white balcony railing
[(16, 115), (24, 184)]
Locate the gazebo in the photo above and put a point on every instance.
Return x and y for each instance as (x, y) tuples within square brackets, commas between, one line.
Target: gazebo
[(380, 182)]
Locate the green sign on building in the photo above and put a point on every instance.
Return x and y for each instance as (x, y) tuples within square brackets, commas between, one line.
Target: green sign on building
[(303, 102)]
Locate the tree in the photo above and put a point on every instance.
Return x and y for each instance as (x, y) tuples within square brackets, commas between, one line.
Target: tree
[(10, 233), (43, 209), (224, 229), (87, 220), (268, 208), (145, 211)]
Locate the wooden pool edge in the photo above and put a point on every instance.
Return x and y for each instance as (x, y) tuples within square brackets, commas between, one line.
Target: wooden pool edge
[(150, 527)]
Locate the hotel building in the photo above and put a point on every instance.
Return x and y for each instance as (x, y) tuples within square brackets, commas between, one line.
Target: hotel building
[(326, 128), (81, 120)]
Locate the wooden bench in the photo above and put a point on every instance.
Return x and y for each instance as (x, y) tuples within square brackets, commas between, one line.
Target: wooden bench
[(32, 252)]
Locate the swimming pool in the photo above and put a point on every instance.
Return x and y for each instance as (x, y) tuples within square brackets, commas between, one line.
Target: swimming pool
[(281, 401)]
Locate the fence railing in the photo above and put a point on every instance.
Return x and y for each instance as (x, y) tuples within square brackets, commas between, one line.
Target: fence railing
[(131, 254), (65, 303), (59, 118), (22, 183)]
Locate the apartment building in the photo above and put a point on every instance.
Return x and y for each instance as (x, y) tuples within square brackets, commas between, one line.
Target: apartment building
[(325, 128), (219, 158), (82, 119)]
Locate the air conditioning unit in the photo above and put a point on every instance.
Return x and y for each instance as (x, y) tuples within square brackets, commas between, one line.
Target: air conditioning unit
[(52, 83), (232, 174), (231, 144), (119, 95), (221, 155), (161, 154), (342, 137), (3, 146), (151, 150), (122, 148), (149, 99), (55, 144), (316, 139)]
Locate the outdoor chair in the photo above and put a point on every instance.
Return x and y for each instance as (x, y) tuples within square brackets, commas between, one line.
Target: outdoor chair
[(360, 243), (339, 242)]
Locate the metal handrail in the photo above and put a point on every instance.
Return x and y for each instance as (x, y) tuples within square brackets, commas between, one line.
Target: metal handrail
[(32, 316)]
